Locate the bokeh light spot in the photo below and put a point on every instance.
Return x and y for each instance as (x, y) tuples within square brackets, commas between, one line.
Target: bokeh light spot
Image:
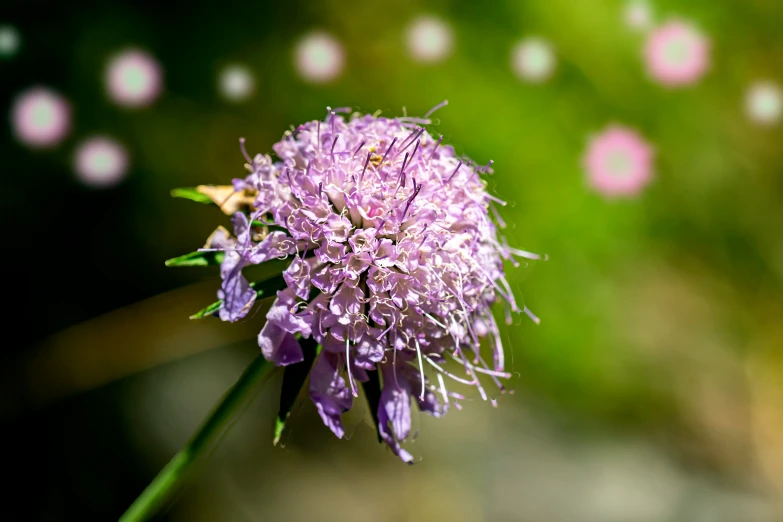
[(429, 39), (319, 58), (764, 103), (10, 41), (236, 83), (40, 117), (533, 60), (638, 14), (100, 162), (134, 79)]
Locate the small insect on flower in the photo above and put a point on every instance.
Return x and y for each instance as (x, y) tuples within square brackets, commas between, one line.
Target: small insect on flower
[(618, 162), (394, 263), (40, 117), (677, 54)]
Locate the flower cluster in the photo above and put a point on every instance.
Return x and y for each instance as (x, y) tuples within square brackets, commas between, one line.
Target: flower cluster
[(395, 264)]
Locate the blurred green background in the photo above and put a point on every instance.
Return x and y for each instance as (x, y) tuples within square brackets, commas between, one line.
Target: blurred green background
[(652, 390)]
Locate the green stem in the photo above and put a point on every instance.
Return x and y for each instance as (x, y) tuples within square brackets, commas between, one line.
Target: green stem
[(162, 486)]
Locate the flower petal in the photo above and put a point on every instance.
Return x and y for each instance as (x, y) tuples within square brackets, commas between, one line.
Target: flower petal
[(329, 392), (279, 346)]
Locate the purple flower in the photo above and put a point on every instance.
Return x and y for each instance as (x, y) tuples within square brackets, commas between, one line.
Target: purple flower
[(235, 292), (395, 265)]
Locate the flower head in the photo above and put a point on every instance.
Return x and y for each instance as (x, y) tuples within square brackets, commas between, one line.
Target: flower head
[(394, 265), (618, 162), (677, 54)]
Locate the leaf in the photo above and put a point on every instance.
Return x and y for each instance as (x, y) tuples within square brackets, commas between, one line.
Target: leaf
[(211, 309), (372, 391), (294, 378), (191, 193), (197, 259), (263, 289)]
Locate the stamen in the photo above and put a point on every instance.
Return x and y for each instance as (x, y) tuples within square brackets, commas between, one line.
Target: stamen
[(331, 118), (443, 392), (435, 321), (501, 223), (420, 121), (365, 166), (499, 384), (531, 315), (449, 374), (394, 368), (436, 146), (358, 149), (244, 151), (438, 106), (455, 173), (487, 371), (481, 390), (421, 367), (527, 255), (495, 199), (333, 144), (419, 133), (348, 368), (387, 150), (415, 130), (415, 149), (401, 178), (416, 190), (404, 163), (498, 353), (485, 167)]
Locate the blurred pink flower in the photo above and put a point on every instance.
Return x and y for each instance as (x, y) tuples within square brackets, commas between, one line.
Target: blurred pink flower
[(618, 162), (677, 54), (40, 117), (134, 79), (100, 162)]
